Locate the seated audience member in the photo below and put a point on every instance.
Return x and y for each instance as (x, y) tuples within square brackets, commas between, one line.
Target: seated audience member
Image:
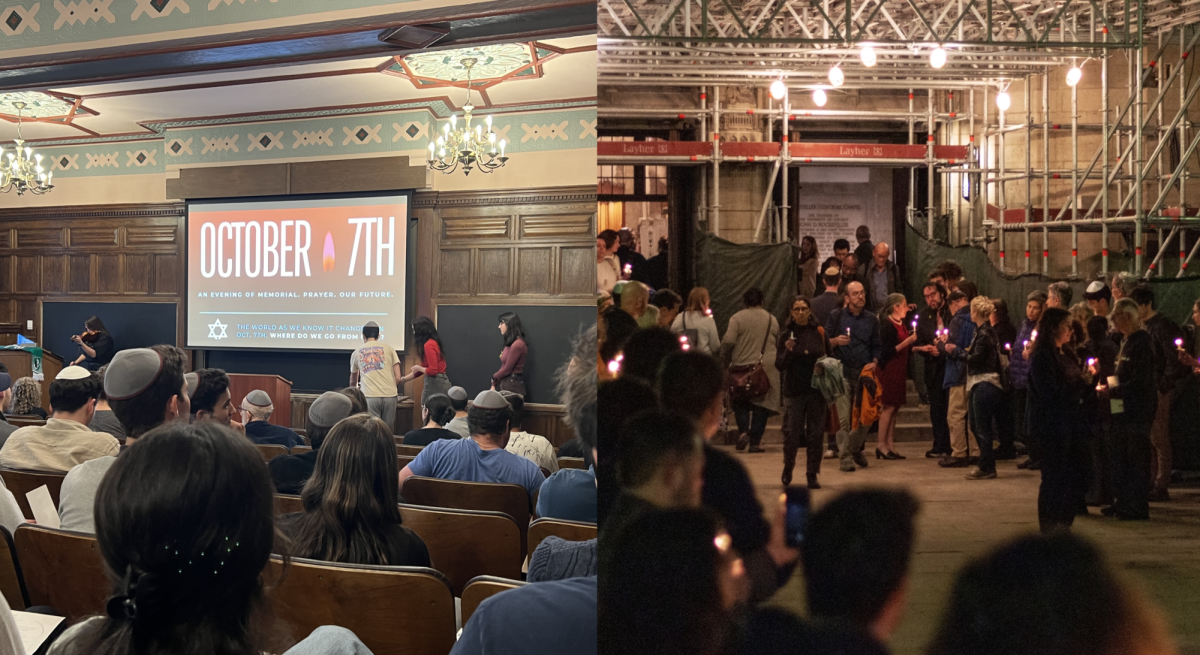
[(671, 583), (645, 350), (350, 502), (256, 416), (145, 387), (290, 472), (546, 618), (570, 494), (357, 397), (482, 457), (856, 553), (458, 400), (437, 413), (1059, 597), (211, 400), (65, 440), (694, 385), (201, 491), (6, 428), (659, 466), (27, 398), (532, 447), (616, 401), (103, 420)]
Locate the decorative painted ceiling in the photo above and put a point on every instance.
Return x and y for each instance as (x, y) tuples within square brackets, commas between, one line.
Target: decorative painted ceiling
[(492, 65), (36, 106)]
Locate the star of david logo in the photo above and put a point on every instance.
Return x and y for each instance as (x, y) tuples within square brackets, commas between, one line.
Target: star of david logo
[(212, 330)]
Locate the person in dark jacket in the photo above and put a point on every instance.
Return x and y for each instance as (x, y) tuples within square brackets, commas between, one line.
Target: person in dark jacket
[(1006, 335), (952, 346), (1057, 388), (801, 344), (1132, 403), (880, 277), (1018, 376), (930, 321), (984, 389), (1168, 372), (1099, 351)]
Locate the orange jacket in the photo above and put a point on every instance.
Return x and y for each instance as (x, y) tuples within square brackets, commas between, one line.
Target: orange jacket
[(866, 411)]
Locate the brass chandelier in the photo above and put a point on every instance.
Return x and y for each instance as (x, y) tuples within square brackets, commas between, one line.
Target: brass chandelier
[(21, 169), (468, 146)]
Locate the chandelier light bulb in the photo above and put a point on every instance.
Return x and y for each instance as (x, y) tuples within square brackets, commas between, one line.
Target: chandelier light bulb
[(1003, 101), (836, 76), (867, 54), (937, 58), (819, 97), (778, 89), (1074, 75)]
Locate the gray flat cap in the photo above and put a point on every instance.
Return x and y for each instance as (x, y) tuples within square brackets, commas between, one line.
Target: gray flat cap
[(193, 381), (258, 398), (457, 393), (131, 372), (490, 400), (329, 408)]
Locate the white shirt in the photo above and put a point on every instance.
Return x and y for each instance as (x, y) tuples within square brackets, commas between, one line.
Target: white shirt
[(534, 448), (608, 273)]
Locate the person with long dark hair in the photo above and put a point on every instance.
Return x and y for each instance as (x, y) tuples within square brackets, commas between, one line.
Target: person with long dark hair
[(801, 343), (510, 377), (350, 502), (290, 472), (437, 412), (433, 360), (185, 524), (810, 256), (1057, 389), (96, 346), (1132, 403)]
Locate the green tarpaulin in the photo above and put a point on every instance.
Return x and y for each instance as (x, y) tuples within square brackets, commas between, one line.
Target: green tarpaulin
[(728, 269)]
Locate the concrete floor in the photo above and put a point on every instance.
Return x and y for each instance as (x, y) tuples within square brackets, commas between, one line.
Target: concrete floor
[(962, 519)]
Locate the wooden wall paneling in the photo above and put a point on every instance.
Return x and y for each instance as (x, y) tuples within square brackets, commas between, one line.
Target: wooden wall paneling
[(356, 175), (144, 237), (6, 238), (457, 228), (495, 272), (28, 278), (28, 309), (534, 271), (569, 225), (95, 237), (168, 275), (6, 273), (230, 181), (81, 273), (108, 274), (54, 274), (577, 271), (6, 312), (41, 237), (454, 273), (137, 274)]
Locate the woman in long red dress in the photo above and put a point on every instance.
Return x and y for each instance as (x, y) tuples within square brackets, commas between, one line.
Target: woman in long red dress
[(896, 335)]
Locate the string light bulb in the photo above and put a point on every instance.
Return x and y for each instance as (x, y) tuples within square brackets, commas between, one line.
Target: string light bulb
[(778, 89), (836, 76), (937, 57), (819, 97), (867, 55), (1074, 75), (1003, 101)]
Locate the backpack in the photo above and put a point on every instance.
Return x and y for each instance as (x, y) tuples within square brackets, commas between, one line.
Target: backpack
[(691, 335)]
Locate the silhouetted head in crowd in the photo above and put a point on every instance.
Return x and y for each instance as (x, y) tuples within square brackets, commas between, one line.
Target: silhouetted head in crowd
[(645, 351), (1123, 284), (350, 508), (671, 580), (856, 551), (458, 400), (850, 266), (1099, 298), (1053, 328), (661, 459), (968, 287), (357, 398), (1000, 312), (437, 411), (73, 394), (576, 383), (211, 400), (1143, 295), (145, 388), (619, 326), (951, 273), (775, 631), (668, 303), (516, 403), (693, 384), (1059, 597), (753, 297), (635, 297), (616, 401), (185, 524), (1059, 294), (841, 248), (1097, 329), (325, 412), (607, 241)]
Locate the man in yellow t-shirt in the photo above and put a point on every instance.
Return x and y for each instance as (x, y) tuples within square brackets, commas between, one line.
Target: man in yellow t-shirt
[(376, 366)]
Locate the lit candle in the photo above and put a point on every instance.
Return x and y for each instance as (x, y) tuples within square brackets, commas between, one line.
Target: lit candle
[(708, 311), (502, 142), (614, 367), (1035, 335), (683, 338), (431, 150), (629, 268), (914, 323), (1091, 361), (1008, 347), (1179, 343)]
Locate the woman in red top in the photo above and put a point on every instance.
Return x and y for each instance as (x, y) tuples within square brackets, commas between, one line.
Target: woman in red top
[(510, 377), (433, 364)]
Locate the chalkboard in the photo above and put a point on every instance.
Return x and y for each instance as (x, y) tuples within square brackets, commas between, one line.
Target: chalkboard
[(131, 324), (308, 371), (473, 343)]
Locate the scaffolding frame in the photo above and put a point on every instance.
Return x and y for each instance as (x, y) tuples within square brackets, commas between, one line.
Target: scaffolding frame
[(707, 45)]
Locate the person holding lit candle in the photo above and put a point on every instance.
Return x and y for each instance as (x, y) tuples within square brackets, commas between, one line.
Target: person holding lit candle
[(1101, 352), (1133, 403), (1018, 375), (930, 322), (952, 346), (1168, 372), (697, 323), (896, 336), (1006, 333), (801, 343)]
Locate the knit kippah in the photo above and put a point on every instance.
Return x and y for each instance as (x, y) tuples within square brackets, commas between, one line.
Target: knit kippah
[(457, 393), (131, 372), (329, 408), (490, 400), (1096, 287), (193, 381), (73, 373), (258, 398), (371, 324)]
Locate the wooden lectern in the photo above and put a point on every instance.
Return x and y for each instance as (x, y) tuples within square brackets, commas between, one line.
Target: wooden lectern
[(279, 389), (20, 365)]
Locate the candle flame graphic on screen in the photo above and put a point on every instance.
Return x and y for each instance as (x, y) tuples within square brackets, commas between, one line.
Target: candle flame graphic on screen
[(328, 255)]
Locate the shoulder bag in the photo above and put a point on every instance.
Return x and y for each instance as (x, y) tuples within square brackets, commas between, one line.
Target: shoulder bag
[(692, 335), (749, 381)]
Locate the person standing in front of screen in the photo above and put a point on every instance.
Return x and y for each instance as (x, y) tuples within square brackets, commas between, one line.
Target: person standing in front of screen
[(433, 363), (510, 377), (377, 367)]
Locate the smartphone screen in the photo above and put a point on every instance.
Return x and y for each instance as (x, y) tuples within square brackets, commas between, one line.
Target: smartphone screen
[(796, 515)]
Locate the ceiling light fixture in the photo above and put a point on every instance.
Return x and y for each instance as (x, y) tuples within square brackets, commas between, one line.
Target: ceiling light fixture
[(836, 76), (1003, 101), (867, 54), (937, 57), (466, 145), (24, 171), (819, 97), (778, 89), (1074, 75)]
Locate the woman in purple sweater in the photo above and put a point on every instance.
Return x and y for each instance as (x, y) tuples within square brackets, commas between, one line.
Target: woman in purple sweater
[(510, 377)]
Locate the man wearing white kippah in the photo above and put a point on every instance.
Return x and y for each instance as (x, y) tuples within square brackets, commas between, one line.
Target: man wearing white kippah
[(65, 440)]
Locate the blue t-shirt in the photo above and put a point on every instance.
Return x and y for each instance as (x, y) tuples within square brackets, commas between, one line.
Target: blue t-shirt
[(463, 459), (570, 495), (263, 433), (539, 618)]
